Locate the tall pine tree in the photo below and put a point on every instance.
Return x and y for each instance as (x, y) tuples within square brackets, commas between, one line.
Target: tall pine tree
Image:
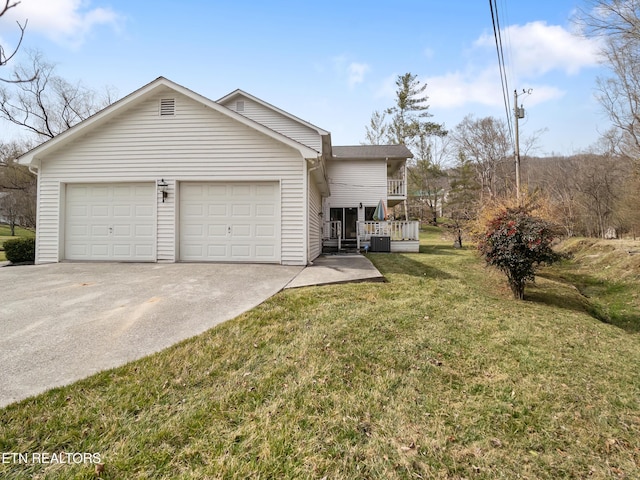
[(408, 115)]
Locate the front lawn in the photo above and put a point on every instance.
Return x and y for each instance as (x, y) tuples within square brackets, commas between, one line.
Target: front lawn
[(435, 374)]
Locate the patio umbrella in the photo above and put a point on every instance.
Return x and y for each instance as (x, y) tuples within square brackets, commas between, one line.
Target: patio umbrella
[(380, 212)]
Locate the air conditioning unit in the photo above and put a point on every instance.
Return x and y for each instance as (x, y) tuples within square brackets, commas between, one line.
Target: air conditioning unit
[(380, 244)]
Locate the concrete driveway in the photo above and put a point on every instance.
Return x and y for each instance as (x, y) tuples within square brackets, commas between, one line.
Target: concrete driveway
[(63, 322)]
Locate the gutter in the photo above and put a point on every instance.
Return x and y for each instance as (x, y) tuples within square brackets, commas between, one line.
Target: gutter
[(318, 165)]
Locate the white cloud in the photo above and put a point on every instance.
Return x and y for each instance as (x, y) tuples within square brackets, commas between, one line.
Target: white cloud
[(356, 72), (352, 72), (537, 48), (532, 51), (63, 21), (458, 89)]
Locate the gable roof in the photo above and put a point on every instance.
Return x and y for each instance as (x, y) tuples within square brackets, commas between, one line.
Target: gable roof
[(354, 152), (238, 93), (135, 98)]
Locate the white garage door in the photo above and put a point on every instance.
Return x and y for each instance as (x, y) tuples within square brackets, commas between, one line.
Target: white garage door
[(110, 222), (230, 222)]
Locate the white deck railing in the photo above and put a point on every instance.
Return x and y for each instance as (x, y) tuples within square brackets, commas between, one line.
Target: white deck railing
[(396, 230), (396, 187), (333, 231)]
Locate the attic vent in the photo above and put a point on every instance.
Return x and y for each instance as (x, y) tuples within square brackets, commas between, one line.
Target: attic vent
[(240, 106), (167, 107)]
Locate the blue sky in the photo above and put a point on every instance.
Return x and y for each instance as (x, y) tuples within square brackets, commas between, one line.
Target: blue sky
[(333, 63)]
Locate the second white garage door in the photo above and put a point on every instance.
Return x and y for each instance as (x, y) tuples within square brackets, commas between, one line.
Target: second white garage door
[(230, 222)]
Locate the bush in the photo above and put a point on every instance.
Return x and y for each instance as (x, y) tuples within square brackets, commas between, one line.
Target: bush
[(20, 250), (517, 243)]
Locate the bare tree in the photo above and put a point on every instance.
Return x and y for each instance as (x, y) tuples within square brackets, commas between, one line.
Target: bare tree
[(45, 103), (627, 211), (598, 181), (485, 144), (5, 56), (617, 24), (17, 188), (587, 191), (462, 199), (13, 207), (428, 176), (556, 177), (377, 130)]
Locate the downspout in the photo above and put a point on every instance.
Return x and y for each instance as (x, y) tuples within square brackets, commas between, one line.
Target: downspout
[(36, 173), (317, 163)]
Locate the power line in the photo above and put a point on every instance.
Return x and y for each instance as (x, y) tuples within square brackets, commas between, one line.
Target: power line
[(501, 64)]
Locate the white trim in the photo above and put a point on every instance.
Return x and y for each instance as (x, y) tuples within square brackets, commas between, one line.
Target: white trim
[(305, 220)]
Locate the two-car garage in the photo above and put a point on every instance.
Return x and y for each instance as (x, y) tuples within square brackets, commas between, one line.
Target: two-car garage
[(168, 175), (217, 221)]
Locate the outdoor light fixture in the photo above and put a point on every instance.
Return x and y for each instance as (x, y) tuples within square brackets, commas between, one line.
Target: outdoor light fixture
[(360, 204), (163, 187)]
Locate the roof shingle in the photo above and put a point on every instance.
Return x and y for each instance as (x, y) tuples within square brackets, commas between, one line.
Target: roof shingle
[(371, 151)]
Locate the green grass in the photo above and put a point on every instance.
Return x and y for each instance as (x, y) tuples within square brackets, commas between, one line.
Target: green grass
[(606, 276), (5, 234), (436, 373)]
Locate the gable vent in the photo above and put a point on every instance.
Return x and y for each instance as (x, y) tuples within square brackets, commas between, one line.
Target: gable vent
[(240, 106), (167, 107)]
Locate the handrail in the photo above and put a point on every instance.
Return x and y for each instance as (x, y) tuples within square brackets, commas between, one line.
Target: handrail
[(333, 230), (396, 187), (396, 230)]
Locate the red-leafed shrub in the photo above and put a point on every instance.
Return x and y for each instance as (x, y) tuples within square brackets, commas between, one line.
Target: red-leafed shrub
[(517, 243)]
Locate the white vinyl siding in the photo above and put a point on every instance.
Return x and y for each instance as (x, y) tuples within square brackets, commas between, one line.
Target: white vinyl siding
[(357, 181), (50, 215), (315, 220), (278, 122), (166, 229), (197, 144)]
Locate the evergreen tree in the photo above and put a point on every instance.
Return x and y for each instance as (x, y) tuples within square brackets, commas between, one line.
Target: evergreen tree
[(408, 115)]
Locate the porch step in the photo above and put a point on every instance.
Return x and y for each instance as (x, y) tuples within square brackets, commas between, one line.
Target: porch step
[(347, 246)]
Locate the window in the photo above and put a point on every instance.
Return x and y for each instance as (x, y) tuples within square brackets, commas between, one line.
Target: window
[(368, 213)]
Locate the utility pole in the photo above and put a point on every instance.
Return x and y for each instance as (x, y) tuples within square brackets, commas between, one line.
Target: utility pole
[(518, 114)]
